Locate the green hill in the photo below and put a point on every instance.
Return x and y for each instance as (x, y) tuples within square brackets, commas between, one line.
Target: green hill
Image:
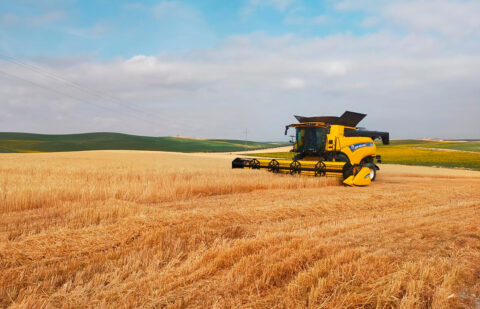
[(28, 142)]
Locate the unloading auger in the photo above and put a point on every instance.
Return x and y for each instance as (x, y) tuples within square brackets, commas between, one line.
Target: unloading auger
[(328, 146)]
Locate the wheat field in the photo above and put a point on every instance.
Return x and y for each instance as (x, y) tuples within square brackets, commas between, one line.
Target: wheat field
[(124, 229)]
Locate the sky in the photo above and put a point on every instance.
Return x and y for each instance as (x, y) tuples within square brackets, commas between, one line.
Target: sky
[(214, 69)]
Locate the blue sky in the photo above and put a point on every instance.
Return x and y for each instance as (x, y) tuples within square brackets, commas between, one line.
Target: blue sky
[(213, 68), (108, 29)]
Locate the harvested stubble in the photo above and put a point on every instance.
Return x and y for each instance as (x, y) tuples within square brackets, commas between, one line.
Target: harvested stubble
[(125, 229)]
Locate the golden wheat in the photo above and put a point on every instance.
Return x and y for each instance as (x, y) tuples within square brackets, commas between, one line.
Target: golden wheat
[(131, 229)]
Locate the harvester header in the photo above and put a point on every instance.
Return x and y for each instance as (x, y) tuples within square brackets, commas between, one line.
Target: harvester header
[(328, 146)]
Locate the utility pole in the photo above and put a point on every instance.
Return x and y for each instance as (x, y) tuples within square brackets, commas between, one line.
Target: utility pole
[(246, 135)]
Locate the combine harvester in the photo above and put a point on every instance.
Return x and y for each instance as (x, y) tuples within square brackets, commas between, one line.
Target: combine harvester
[(328, 146)]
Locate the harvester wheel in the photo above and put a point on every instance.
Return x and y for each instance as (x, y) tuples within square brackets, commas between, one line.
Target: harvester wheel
[(373, 170), (320, 169), (295, 167), (274, 166), (255, 164)]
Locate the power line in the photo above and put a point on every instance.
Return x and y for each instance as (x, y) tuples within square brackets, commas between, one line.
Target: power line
[(65, 94), (96, 94), (53, 75), (246, 136)]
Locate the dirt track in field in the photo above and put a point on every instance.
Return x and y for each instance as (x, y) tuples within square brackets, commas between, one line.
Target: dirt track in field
[(128, 228)]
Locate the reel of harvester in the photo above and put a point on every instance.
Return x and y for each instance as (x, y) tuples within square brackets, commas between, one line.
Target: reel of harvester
[(352, 175)]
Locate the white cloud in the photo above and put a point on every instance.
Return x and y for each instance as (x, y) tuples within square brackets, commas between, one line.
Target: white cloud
[(35, 20), (336, 68), (370, 22), (294, 83), (99, 29), (47, 18), (133, 6), (253, 5), (294, 19), (452, 18), (8, 19), (180, 26), (242, 82), (280, 5), (175, 9)]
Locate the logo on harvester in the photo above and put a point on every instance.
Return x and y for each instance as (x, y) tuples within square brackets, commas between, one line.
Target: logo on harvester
[(358, 146)]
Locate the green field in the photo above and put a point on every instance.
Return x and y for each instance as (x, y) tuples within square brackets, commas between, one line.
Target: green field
[(27, 142), (473, 145), (418, 152)]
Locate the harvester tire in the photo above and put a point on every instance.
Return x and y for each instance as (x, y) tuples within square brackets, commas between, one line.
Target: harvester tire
[(373, 171)]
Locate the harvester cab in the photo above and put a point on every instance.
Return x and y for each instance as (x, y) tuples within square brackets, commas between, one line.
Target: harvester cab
[(328, 146)]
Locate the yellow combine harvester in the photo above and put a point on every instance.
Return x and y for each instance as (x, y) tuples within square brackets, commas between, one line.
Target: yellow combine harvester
[(328, 146)]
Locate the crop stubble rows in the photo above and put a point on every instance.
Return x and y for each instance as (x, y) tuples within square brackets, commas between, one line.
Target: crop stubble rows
[(125, 229)]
